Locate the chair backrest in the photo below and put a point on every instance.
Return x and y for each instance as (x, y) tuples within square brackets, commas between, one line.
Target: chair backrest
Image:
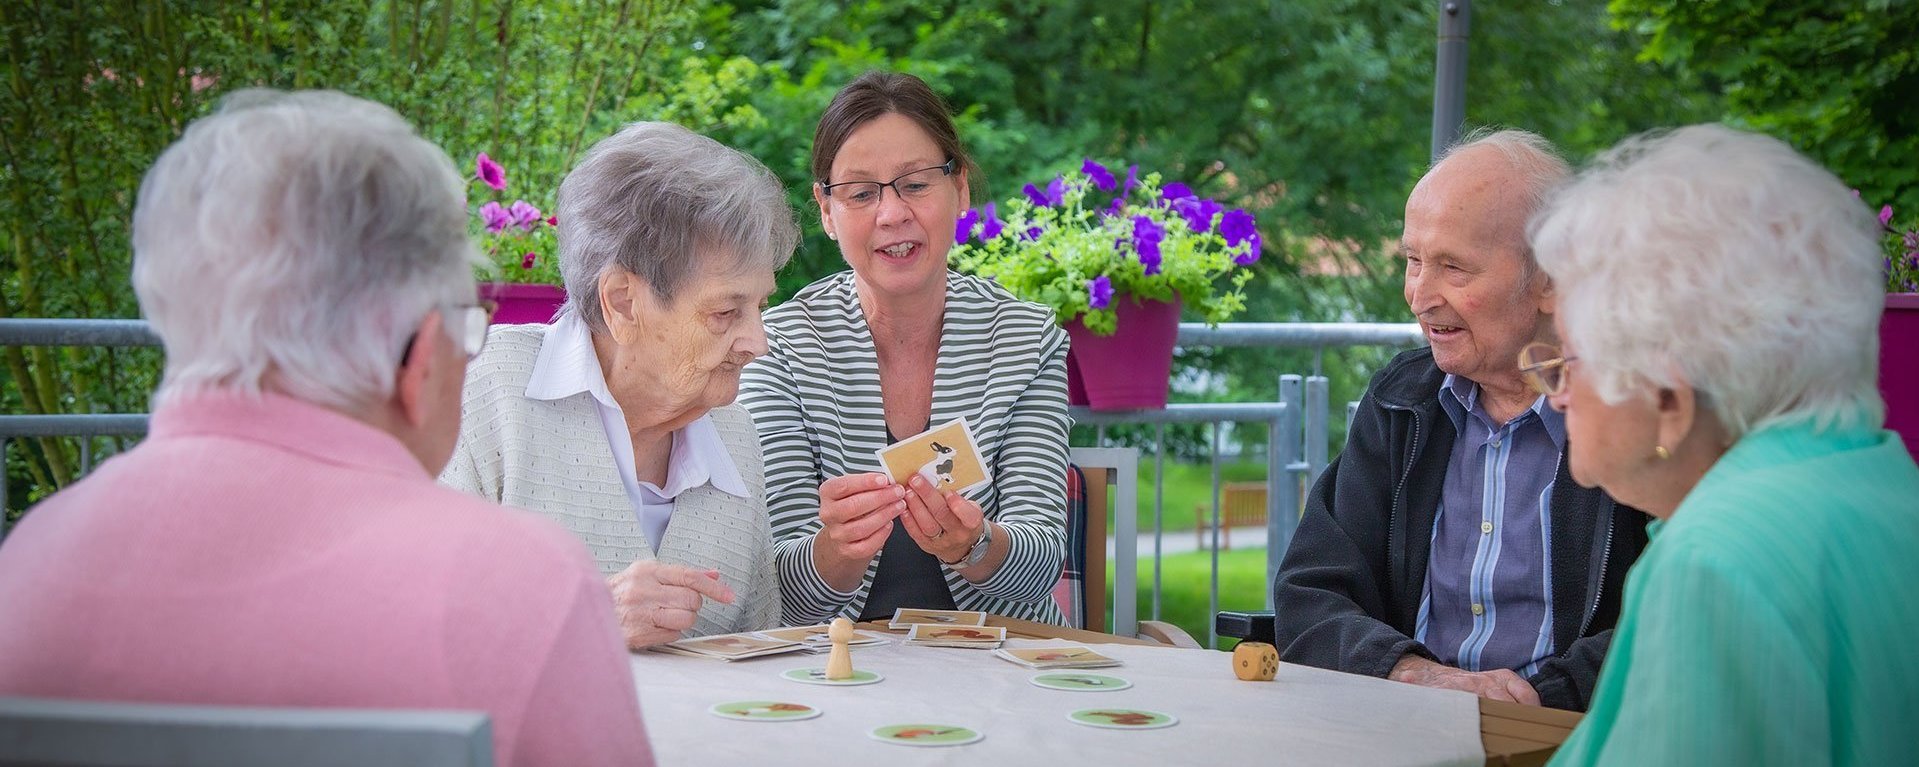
[(1081, 591), (1111, 475), (72, 732)]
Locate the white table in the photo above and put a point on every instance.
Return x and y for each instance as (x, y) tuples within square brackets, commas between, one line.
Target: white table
[(1306, 716)]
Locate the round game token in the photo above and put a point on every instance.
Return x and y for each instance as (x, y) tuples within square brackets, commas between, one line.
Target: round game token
[(764, 711), (817, 675), (1078, 682), (926, 734), (1122, 718)]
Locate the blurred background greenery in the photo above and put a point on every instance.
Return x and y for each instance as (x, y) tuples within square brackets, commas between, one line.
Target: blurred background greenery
[(1313, 114)]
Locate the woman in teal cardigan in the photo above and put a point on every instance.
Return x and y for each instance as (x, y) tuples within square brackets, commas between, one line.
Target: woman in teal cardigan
[(1718, 296)]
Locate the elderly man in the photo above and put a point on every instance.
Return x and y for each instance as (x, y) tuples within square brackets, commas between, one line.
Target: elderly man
[(278, 539), (1447, 546)]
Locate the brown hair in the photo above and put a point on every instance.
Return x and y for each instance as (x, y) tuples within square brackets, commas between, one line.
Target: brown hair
[(880, 93)]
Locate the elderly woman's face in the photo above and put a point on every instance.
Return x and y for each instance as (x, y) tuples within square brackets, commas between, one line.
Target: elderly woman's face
[(686, 354), (896, 246), (1608, 446)]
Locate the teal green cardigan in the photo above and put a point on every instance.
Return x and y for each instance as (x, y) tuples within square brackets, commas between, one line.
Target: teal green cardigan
[(1772, 619)]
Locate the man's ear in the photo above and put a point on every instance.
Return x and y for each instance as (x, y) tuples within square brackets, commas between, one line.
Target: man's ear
[(620, 296), (411, 390)]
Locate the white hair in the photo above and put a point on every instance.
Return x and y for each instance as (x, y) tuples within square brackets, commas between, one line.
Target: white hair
[(655, 199), (1532, 157), (295, 240), (1726, 261)]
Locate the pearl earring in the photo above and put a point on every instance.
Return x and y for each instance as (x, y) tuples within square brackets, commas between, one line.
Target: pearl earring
[(1660, 452)]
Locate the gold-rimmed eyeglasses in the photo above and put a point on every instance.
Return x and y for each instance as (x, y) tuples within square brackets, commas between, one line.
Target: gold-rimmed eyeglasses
[(912, 185), (1544, 368)]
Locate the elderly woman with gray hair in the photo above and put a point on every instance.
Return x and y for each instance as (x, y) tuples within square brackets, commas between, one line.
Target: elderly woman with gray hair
[(1718, 296), (616, 420)]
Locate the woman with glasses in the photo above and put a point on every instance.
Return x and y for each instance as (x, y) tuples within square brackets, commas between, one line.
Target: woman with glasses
[(1718, 299), (883, 351), (616, 420)]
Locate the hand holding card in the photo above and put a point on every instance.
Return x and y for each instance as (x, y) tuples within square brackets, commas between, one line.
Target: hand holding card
[(945, 455)]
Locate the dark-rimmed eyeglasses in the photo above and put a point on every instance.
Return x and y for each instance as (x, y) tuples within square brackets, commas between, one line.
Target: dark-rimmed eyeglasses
[(466, 324), (912, 185), (1544, 368)]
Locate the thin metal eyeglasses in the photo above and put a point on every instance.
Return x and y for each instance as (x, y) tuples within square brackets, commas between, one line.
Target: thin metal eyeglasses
[(912, 185), (1543, 368), (471, 322)]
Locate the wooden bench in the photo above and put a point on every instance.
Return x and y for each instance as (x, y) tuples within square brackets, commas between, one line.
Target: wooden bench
[(1241, 504)]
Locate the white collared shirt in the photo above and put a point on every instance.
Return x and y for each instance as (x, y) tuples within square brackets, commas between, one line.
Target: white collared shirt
[(567, 366)]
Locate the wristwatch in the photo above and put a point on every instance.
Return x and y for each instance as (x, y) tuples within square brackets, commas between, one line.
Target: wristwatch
[(978, 553)]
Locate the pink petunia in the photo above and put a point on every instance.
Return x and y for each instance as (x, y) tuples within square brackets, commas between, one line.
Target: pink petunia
[(527, 262), (525, 216), (496, 217), (489, 172), (1885, 216)]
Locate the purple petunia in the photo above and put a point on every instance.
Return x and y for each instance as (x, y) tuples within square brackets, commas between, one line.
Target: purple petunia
[(496, 217), (992, 226), (1237, 227), (1053, 194), (1032, 233), (1100, 176), (1251, 254), (525, 216), (489, 172), (1176, 191), (1147, 234), (964, 226), (1885, 216), (1099, 292), (1197, 211)]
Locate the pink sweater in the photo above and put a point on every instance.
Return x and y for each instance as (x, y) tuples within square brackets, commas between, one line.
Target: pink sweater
[(270, 552)]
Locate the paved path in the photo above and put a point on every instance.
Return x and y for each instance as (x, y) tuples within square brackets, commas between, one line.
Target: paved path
[(1182, 541)]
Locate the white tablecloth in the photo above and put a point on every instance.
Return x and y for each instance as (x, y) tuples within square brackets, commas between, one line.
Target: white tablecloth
[(1307, 716)]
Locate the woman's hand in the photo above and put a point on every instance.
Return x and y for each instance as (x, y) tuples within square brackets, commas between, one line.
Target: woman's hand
[(944, 523), (656, 601), (856, 516)]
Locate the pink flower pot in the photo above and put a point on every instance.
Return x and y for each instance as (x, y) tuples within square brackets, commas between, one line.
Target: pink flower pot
[(521, 304), (1130, 369), (1899, 366)]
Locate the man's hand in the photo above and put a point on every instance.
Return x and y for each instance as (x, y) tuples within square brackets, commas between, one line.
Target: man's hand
[(1498, 684), (656, 601)]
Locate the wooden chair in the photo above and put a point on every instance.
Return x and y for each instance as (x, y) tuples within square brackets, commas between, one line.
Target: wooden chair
[(75, 732), (1092, 479)]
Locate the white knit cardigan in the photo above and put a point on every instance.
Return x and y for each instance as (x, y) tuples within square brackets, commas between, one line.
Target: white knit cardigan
[(552, 457)]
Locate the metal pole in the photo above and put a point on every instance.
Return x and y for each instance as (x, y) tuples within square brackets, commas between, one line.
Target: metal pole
[(1317, 431), (1159, 509), (1449, 73), (1212, 591), (1283, 513)]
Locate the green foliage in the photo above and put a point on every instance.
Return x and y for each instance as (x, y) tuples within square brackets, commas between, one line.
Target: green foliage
[(1079, 255), (1836, 80), (1902, 253)]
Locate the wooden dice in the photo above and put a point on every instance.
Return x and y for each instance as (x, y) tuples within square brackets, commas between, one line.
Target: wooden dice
[(1255, 661)]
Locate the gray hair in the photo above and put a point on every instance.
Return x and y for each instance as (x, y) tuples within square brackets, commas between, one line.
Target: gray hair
[(1726, 261), (295, 240), (656, 200), (1536, 160)]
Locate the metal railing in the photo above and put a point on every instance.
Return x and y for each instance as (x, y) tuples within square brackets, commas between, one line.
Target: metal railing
[(1296, 423)]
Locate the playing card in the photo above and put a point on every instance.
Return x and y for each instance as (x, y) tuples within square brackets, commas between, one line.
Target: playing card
[(728, 647), (946, 455), (1057, 657), (816, 635), (980, 637), (907, 617)]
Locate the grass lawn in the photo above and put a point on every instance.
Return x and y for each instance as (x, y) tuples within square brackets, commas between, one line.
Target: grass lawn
[(1189, 485), (1183, 585)]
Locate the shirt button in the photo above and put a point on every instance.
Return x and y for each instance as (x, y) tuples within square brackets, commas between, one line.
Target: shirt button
[(1479, 609), (1495, 443), (1485, 527)]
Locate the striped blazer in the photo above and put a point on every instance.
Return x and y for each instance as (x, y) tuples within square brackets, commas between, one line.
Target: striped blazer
[(815, 398)]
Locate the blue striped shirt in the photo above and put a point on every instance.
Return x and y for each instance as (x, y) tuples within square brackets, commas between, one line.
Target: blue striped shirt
[(1487, 602)]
